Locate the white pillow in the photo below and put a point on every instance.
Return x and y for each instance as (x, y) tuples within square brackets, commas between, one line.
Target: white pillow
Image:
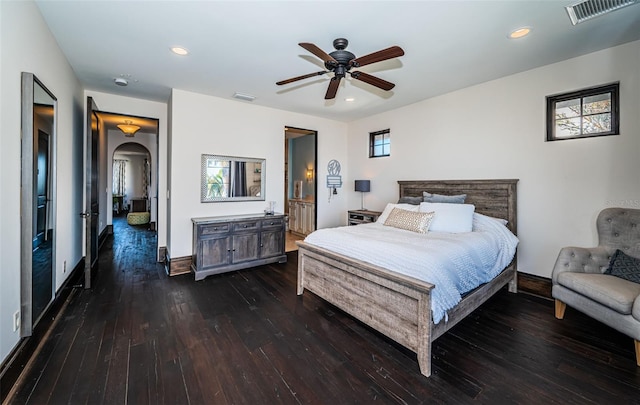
[(452, 218), (391, 206)]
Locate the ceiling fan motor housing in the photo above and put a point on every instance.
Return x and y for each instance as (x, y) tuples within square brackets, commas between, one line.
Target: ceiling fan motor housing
[(341, 56)]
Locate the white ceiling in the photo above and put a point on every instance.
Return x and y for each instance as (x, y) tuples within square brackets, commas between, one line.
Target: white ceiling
[(247, 46)]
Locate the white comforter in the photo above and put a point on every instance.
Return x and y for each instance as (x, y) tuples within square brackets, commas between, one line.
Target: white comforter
[(454, 262)]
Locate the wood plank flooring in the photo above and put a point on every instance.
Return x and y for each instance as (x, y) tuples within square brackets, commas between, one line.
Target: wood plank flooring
[(141, 337)]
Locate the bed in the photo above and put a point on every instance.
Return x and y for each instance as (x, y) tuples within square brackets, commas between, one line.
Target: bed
[(397, 305)]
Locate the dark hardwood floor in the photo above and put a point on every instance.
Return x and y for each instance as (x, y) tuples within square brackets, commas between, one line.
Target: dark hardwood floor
[(141, 337)]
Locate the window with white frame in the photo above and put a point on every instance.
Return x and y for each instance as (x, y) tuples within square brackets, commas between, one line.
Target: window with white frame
[(584, 113)]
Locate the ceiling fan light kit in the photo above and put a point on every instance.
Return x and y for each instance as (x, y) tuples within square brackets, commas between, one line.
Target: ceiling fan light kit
[(341, 61)]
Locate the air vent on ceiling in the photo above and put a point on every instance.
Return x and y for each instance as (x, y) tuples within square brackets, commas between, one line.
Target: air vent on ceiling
[(588, 9), (246, 97)]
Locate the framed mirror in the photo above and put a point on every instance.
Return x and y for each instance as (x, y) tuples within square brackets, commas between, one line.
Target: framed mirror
[(231, 178), (37, 202)]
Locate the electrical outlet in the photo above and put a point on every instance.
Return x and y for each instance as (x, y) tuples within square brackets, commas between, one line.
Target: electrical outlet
[(16, 321)]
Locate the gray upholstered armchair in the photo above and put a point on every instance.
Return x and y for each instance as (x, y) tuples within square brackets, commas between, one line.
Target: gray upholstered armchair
[(578, 279)]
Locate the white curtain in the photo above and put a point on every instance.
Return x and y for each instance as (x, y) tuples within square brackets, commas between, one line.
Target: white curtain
[(119, 176)]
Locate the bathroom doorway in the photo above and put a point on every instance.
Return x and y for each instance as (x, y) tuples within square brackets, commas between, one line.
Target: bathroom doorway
[(300, 183)]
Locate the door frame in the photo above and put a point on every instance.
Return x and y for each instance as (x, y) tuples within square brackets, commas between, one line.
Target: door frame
[(315, 169), (155, 166)]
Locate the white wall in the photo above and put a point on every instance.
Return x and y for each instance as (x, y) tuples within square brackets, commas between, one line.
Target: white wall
[(142, 108), (497, 130), (211, 125), (27, 45)]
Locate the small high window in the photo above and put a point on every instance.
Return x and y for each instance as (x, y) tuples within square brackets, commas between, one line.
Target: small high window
[(584, 113), (380, 143)]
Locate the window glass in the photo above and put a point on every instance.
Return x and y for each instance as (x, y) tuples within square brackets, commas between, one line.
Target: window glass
[(380, 143), (583, 113)]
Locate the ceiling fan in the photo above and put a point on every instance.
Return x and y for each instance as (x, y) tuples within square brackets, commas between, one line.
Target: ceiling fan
[(340, 63)]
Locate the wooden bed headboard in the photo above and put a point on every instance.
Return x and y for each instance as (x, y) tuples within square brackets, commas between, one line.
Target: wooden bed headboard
[(495, 198)]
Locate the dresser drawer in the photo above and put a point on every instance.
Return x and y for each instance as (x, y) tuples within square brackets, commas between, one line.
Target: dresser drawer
[(245, 226), (272, 223), (214, 229)]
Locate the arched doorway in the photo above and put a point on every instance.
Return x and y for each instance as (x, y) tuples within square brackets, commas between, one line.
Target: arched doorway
[(132, 185)]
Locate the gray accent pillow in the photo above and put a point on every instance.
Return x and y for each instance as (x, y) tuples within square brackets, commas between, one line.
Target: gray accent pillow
[(624, 266), (440, 198), (410, 200)]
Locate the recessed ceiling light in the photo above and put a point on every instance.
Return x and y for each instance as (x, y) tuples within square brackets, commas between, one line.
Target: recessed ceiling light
[(178, 50), (519, 32), (349, 99), (120, 81)]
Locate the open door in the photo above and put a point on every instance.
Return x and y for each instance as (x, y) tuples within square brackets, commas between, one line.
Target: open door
[(91, 192)]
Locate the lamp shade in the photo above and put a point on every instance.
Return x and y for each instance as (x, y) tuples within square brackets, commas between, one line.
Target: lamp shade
[(363, 185), (128, 128)]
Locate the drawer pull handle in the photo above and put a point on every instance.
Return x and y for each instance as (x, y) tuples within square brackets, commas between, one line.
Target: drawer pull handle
[(244, 226)]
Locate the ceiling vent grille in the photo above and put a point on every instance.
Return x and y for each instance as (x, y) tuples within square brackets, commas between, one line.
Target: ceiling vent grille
[(588, 9)]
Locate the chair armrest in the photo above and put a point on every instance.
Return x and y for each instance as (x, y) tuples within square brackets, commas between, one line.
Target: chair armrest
[(581, 260)]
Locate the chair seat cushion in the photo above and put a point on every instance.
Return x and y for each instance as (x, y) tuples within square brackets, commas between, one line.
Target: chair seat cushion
[(610, 291), (140, 218)]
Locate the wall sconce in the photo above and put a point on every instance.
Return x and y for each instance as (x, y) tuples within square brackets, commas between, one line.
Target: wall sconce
[(128, 128), (364, 186), (309, 175)]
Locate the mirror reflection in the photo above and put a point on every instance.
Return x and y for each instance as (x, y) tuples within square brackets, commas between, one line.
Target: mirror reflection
[(232, 178), (42, 279)]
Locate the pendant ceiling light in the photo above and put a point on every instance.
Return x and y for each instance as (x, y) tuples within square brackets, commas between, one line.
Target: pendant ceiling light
[(128, 128)]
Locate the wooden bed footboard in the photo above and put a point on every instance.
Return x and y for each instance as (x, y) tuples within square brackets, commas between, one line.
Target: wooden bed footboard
[(393, 304), (396, 305)]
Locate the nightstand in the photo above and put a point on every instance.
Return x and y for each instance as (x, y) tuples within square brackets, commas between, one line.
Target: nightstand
[(357, 217)]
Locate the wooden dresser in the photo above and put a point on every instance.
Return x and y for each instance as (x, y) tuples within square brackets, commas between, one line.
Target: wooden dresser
[(227, 243)]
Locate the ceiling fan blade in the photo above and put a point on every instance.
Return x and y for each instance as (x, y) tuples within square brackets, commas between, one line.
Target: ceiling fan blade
[(372, 80), (318, 52), (333, 88), (392, 52), (295, 79)]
